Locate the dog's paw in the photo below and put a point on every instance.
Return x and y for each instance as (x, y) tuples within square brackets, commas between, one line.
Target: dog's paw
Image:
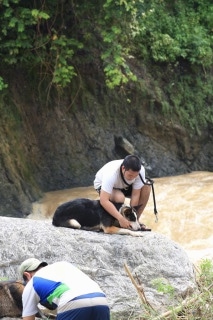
[(137, 234), (143, 227)]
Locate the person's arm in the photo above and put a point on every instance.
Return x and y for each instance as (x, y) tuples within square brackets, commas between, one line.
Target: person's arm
[(135, 196), (140, 198), (29, 318), (30, 299), (111, 209)]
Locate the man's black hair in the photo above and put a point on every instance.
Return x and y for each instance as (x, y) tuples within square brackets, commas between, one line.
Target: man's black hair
[(132, 162)]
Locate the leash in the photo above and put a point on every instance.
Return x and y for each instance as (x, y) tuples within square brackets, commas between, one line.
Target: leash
[(148, 182)]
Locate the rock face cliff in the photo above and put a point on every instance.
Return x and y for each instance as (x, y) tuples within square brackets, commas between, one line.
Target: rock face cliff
[(64, 144), (150, 258)]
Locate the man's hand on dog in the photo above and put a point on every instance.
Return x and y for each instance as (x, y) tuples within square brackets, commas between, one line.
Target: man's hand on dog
[(124, 223)]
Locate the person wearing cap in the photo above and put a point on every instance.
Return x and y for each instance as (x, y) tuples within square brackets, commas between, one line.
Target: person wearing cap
[(118, 179), (64, 287)]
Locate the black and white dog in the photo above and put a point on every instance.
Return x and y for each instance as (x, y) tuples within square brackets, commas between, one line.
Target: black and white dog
[(89, 215)]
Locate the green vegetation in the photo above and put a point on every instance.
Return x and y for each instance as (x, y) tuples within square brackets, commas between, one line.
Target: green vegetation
[(197, 307), (163, 286), (177, 30), (56, 40)]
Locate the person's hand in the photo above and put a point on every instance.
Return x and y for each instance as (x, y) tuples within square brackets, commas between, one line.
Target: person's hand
[(124, 223)]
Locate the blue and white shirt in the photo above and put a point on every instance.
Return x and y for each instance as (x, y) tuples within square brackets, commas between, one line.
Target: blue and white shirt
[(54, 285)]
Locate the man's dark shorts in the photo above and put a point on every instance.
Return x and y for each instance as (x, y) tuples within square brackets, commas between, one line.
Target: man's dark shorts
[(127, 191)]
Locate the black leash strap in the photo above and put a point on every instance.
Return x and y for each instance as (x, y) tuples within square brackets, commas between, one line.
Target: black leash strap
[(148, 182)]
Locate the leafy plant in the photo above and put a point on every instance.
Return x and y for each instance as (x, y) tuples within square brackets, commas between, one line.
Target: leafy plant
[(199, 306), (170, 31), (57, 41), (206, 273), (163, 286), (3, 85)]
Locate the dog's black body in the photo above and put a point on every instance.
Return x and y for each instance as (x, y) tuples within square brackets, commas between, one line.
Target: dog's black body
[(89, 215)]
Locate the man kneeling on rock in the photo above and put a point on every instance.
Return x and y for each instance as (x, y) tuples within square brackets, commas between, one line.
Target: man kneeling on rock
[(118, 179)]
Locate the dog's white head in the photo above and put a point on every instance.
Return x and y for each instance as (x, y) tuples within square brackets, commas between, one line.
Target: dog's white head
[(130, 214)]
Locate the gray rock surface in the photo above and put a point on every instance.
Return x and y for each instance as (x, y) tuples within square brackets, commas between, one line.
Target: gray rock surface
[(102, 257)]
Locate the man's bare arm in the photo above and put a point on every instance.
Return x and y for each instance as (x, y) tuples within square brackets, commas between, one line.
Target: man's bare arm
[(29, 318), (110, 208)]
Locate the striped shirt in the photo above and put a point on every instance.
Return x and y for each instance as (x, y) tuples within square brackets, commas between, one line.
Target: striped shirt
[(57, 284)]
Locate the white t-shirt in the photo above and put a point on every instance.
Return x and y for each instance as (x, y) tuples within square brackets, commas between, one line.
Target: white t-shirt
[(109, 177), (55, 285)]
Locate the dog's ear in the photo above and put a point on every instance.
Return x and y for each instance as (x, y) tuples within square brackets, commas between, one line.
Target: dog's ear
[(119, 205), (16, 290), (125, 210)]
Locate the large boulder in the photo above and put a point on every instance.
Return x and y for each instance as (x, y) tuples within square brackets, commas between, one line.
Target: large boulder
[(102, 257)]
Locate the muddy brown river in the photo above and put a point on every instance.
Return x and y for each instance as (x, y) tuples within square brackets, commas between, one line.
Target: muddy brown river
[(184, 204)]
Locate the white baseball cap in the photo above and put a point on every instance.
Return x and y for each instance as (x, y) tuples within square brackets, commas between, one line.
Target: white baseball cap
[(31, 264)]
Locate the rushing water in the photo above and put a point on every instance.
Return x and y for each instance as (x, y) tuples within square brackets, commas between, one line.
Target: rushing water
[(184, 204)]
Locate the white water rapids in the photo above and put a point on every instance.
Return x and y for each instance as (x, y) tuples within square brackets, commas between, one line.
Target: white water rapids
[(184, 204)]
